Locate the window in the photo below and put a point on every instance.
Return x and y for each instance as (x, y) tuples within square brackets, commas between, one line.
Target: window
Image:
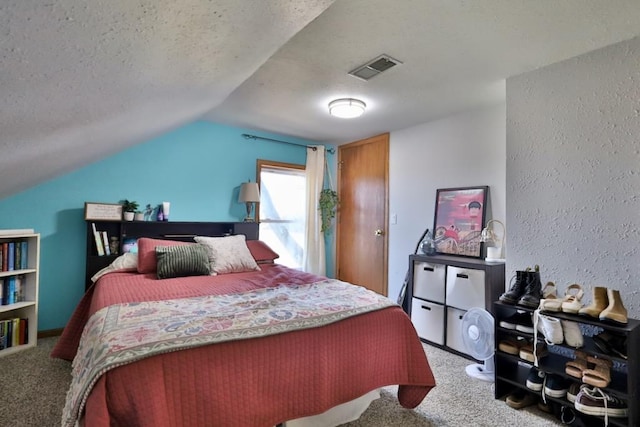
[(282, 210)]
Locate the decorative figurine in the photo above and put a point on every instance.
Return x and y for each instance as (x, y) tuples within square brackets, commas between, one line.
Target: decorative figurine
[(148, 212), (114, 245)]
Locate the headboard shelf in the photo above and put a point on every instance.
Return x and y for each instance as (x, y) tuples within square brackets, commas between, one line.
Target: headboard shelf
[(169, 230)]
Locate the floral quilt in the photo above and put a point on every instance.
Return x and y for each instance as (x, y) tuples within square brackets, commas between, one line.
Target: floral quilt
[(123, 333)]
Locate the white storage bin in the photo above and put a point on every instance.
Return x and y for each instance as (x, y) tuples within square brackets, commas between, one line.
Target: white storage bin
[(465, 287), (428, 319), (454, 330), (428, 281)]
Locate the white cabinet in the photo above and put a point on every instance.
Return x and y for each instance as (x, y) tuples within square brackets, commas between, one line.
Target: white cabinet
[(428, 319), (454, 329), (465, 287), (442, 288), (19, 312), (427, 281)]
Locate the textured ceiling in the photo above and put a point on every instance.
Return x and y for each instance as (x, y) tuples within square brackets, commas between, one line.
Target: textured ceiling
[(83, 79)]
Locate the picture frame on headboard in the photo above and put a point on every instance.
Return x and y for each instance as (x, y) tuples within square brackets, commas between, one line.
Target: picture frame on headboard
[(459, 218), (102, 211)]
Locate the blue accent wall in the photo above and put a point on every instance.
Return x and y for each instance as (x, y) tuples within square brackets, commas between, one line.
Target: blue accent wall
[(198, 168)]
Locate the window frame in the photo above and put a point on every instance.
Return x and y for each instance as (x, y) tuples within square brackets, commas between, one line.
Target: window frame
[(260, 163)]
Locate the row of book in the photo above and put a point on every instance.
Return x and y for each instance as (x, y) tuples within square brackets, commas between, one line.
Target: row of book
[(14, 255), (102, 241), (11, 289), (13, 332)]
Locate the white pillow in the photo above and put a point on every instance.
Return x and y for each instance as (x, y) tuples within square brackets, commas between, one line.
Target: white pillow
[(228, 254), (126, 261)]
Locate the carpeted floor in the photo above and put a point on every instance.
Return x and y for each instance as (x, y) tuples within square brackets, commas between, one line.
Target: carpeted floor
[(33, 388)]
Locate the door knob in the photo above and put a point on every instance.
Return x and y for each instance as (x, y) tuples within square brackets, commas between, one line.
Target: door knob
[(378, 232)]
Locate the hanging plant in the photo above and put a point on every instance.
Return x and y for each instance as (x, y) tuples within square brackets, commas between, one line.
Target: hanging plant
[(328, 204)]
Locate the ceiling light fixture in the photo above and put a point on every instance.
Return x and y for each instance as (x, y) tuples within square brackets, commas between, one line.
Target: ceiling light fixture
[(347, 108)]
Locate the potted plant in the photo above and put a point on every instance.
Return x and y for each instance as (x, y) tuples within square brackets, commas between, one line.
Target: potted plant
[(138, 216), (328, 204), (129, 208)]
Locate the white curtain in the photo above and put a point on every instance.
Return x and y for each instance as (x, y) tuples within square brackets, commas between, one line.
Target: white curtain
[(314, 255)]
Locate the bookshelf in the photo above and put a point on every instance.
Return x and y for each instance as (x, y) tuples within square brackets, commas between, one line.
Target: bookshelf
[(173, 230), (24, 303)]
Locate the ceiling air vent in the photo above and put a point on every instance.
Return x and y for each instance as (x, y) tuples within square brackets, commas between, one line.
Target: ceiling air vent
[(374, 67)]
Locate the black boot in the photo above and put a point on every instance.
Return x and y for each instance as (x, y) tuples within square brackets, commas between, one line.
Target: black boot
[(533, 291), (517, 289)]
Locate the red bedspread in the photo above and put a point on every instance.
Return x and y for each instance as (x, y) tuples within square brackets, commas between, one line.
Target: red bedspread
[(257, 382)]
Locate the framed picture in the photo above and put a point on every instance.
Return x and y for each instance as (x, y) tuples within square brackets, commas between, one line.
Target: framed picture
[(102, 211), (459, 220)]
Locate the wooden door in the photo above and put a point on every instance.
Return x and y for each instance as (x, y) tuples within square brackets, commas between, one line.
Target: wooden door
[(361, 236)]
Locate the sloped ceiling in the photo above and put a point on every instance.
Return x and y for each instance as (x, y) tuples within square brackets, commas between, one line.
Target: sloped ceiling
[(83, 79)]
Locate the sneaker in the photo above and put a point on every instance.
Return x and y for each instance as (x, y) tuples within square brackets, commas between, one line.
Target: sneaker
[(525, 323), (573, 391), (572, 334), (521, 318), (520, 399), (556, 386), (568, 416), (535, 379), (593, 401), (549, 326)]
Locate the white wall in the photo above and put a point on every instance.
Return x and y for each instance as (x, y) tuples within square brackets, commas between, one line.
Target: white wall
[(467, 149), (573, 171)]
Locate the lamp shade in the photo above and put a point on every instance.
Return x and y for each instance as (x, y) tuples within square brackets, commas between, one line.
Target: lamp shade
[(249, 192), (347, 108)]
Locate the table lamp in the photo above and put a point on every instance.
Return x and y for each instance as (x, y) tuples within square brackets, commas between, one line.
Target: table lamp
[(249, 194), (495, 246)]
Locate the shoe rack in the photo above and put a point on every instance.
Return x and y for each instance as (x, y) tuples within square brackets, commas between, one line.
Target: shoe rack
[(512, 371)]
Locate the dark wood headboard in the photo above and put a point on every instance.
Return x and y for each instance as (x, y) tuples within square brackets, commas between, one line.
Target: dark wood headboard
[(169, 230)]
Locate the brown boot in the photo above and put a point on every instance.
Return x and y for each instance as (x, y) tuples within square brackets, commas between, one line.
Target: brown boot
[(598, 304), (615, 312)]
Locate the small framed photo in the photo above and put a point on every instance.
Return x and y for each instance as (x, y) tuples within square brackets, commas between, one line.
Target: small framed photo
[(459, 219), (102, 211)]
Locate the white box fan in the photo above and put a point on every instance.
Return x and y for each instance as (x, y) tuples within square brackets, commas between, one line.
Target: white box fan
[(478, 338)]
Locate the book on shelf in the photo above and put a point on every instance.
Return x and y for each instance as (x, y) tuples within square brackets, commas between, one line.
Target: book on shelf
[(11, 290), (98, 240), (14, 255), (18, 256), (11, 256), (7, 291), (105, 242), (24, 260), (15, 339), (14, 332), (19, 289), (5, 256)]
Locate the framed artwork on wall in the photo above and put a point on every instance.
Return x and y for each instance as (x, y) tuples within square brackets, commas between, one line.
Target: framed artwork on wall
[(459, 219)]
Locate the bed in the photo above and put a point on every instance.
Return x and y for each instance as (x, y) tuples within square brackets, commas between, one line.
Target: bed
[(261, 345)]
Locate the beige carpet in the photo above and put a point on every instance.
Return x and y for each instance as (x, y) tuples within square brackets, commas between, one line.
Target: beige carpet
[(33, 388), (457, 400)]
